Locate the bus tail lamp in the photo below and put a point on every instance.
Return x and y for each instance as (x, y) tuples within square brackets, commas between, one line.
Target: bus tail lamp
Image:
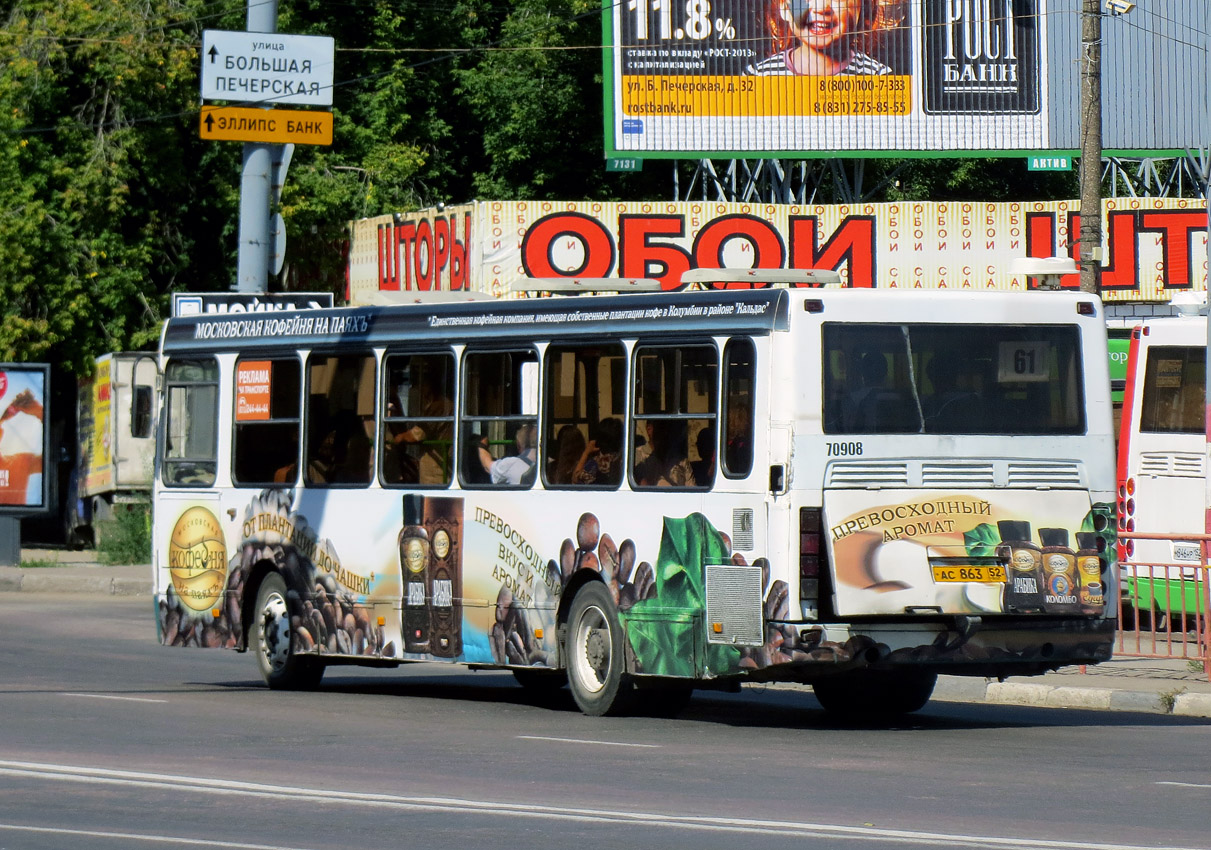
[(813, 554), (1085, 308)]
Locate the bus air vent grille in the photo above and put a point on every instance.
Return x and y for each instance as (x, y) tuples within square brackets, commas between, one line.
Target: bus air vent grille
[(733, 605), (973, 474), (1172, 464), (742, 529), (1055, 474), (859, 474)]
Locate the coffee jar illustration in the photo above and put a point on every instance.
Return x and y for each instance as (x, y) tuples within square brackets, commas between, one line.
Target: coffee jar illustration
[(1024, 561), (414, 552), (1059, 572), (443, 522), (1091, 593)]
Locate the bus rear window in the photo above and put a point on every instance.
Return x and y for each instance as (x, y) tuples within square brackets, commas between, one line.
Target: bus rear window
[(1174, 388), (952, 379)]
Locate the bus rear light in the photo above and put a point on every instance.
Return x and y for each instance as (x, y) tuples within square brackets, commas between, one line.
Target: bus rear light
[(1129, 548), (1122, 491), (1130, 486), (1130, 507), (813, 305), (813, 555), (1085, 308)]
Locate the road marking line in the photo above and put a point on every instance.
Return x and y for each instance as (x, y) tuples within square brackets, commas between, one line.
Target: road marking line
[(200, 785), (175, 840), (1187, 784), (585, 741), (110, 696)]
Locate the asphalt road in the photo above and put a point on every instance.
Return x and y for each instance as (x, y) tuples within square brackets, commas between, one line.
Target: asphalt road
[(111, 741)]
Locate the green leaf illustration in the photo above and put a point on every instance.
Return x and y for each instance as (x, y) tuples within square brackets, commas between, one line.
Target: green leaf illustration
[(663, 630), (982, 540)]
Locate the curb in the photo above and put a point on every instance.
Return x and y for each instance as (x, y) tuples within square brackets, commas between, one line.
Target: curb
[(958, 689), (45, 581)]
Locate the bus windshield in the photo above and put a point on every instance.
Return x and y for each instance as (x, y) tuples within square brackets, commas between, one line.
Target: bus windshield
[(952, 379)]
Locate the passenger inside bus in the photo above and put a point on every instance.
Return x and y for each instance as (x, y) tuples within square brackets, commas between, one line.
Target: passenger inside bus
[(477, 463), (663, 461), (601, 461), (518, 468), (704, 467), (570, 448), (953, 406), (874, 407), (419, 452)]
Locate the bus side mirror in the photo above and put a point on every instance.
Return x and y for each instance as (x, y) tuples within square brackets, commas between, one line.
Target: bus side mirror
[(777, 479)]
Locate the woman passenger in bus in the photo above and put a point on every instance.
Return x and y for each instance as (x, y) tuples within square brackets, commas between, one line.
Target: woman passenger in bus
[(570, 447)]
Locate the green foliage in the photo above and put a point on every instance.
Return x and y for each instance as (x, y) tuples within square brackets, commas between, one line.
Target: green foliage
[(127, 538), (109, 201)]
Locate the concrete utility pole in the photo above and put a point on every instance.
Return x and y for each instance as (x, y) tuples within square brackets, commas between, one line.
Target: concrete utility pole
[(256, 177), (1091, 145)]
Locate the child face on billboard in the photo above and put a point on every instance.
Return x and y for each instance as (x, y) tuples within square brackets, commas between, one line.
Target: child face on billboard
[(823, 25)]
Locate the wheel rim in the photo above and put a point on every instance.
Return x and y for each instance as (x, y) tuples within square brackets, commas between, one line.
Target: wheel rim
[(274, 625), (593, 645)]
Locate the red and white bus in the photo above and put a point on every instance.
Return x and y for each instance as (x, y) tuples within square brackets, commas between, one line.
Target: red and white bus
[(1162, 466)]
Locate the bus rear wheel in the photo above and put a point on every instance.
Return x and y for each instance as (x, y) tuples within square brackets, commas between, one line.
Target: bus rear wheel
[(594, 652), (272, 642), (869, 695)]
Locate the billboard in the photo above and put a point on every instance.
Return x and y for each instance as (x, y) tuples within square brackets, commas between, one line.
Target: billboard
[(937, 78), (808, 78), (1153, 246), (23, 438)]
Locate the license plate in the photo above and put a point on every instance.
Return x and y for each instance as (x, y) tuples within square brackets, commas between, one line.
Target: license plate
[(986, 573), (1187, 552)]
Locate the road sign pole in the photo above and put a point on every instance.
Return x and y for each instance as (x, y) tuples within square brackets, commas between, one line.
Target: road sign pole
[(255, 239)]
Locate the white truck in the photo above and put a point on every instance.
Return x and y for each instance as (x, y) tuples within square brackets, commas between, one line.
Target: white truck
[(115, 439)]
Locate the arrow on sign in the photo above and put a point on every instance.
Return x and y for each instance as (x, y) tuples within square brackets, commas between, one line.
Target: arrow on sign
[(214, 51), (209, 122)]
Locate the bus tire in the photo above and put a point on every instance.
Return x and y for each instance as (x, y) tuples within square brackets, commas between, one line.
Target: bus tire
[(888, 694), (272, 642), (595, 655)]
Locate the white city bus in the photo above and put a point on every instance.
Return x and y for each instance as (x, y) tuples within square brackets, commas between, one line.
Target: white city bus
[(1162, 466), (645, 494)]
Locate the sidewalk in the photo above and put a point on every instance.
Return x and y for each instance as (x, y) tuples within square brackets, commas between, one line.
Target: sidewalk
[(1151, 685), (67, 571)]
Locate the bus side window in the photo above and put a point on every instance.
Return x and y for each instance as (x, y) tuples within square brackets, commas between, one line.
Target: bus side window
[(585, 398), (499, 419), (675, 400), (266, 441), (418, 419), (340, 419), (738, 379), (191, 401)]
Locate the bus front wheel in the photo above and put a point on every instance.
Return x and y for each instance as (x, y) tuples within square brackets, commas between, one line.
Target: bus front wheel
[(594, 653), (273, 645), (875, 694)]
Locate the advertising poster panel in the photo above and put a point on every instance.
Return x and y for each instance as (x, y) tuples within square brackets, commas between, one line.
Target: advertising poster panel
[(805, 77), (1155, 246), (23, 437)]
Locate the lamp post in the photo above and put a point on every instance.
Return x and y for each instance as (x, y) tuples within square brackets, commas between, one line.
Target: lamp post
[(1091, 145)]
